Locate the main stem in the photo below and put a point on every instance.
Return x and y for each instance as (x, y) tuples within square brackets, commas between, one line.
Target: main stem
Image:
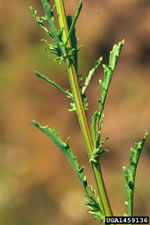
[(81, 112)]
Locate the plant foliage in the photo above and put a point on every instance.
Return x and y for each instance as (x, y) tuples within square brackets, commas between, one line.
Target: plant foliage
[(131, 172), (63, 43)]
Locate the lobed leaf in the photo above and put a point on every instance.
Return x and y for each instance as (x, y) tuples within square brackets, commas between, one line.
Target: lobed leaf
[(64, 147), (50, 19), (40, 22), (92, 202), (54, 34), (114, 55), (108, 72), (73, 106), (52, 48), (90, 74), (130, 172)]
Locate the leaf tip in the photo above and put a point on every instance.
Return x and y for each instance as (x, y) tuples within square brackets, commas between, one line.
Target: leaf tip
[(122, 42), (35, 123), (145, 135), (36, 73), (124, 169)]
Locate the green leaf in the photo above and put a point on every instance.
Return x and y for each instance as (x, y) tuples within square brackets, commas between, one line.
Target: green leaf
[(108, 72), (90, 74), (59, 49), (54, 84), (69, 95), (50, 19), (52, 48), (114, 55), (130, 173), (73, 107), (73, 21), (40, 22), (57, 37), (73, 42), (92, 202), (94, 131), (64, 147), (97, 153)]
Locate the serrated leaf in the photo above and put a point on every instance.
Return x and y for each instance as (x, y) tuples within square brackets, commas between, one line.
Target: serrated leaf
[(114, 55), (40, 22), (90, 74), (57, 35), (52, 48), (50, 19), (136, 151), (108, 71), (131, 172), (64, 147), (59, 49), (92, 202)]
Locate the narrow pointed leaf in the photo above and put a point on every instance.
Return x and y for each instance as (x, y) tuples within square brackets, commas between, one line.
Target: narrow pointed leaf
[(54, 84), (73, 40), (74, 21)]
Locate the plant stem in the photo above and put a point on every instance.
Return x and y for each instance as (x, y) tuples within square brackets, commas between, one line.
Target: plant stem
[(81, 112)]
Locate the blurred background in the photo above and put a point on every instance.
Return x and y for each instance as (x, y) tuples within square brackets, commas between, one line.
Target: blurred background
[(37, 185)]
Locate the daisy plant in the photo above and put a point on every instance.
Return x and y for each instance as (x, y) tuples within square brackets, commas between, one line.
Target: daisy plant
[(63, 43)]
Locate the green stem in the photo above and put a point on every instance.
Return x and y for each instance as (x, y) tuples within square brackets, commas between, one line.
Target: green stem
[(81, 112)]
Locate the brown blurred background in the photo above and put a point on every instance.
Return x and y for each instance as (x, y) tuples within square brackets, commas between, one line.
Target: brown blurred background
[(37, 185)]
